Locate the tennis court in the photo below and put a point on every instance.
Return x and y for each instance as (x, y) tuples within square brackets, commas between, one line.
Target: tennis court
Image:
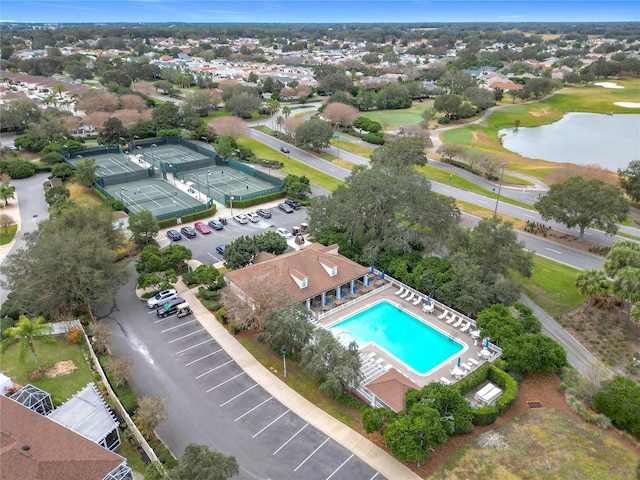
[(155, 195), (170, 154), (223, 180)]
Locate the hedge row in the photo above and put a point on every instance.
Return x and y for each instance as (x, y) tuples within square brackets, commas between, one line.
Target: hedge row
[(124, 392), (170, 222), (489, 413), (463, 165), (258, 200)]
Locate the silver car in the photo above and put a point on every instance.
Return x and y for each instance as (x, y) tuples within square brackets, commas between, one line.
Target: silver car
[(162, 297)]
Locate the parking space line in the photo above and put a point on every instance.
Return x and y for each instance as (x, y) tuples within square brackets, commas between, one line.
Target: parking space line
[(226, 381), (336, 470), (201, 358), (376, 474), (294, 436), (278, 418), (254, 408), (213, 369), (240, 394), (311, 455), (178, 326), (185, 336)]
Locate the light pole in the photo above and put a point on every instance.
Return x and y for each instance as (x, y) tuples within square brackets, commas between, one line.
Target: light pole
[(284, 360), (337, 139), (153, 158), (194, 176), (231, 203), (123, 189), (421, 446), (135, 137), (495, 211)]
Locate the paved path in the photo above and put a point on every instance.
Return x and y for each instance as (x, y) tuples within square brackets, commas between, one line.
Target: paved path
[(577, 355)]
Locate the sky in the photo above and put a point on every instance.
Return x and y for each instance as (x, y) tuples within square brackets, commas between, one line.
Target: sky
[(317, 11)]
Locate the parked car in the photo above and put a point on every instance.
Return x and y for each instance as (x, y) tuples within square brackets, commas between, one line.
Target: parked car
[(188, 232), (264, 213), (216, 224), (220, 249), (284, 233), (161, 297), (241, 218), (202, 228), (284, 150), (253, 217), (170, 307), (285, 208), (174, 235), (293, 203)]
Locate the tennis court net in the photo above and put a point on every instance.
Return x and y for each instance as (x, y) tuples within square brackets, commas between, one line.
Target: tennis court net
[(143, 197), (228, 182)]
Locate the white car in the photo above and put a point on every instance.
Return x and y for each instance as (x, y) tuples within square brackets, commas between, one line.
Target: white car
[(162, 297), (284, 233), (241, 218), (253, 216)]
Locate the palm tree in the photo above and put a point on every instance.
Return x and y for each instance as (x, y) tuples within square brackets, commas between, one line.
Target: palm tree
[(286, 111), (592, 283), (273, 105), (6, 192), (622, 254), (627, 285), (635, 314), (59, 89), (25, 333)]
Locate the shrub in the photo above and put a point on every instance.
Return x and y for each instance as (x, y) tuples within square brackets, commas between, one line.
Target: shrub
[(374, 138), (509, 387), (17, 168), (485, 415), (189, 279), (163, 453), (620, 401), (75, 336), (206, 294), (211, 305), (221, 315)]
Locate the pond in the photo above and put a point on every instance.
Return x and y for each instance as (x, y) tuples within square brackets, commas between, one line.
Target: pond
[(610, 141)]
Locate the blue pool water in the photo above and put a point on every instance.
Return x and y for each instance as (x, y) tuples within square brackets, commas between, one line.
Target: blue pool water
[(414, 343)]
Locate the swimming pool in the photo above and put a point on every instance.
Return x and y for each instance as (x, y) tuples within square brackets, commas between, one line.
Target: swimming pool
[(414, 343)]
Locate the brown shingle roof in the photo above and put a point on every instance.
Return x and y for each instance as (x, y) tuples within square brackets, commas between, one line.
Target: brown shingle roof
[(313, 262), (54, 451), (391, 388)]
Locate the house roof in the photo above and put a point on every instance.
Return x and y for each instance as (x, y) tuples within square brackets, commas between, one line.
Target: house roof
[(87, 414), (33, 447), (391, 388), (315, 262)]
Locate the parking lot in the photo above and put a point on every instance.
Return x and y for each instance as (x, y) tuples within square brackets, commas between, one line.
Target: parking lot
[(203, 247), (280, 443)]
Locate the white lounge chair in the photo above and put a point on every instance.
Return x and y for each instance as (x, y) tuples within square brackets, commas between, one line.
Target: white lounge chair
[(445, 381), (401, 291), (474, 361), (410, 297), (443, 316), (417, 300), (458, 322), (403, 295), (465, 328), (451, 319)]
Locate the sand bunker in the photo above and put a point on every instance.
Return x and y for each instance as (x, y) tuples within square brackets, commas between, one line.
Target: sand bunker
[(627, 104), (608, 85)]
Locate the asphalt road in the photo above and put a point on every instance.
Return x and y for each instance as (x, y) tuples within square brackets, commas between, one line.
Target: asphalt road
[(212, 401)]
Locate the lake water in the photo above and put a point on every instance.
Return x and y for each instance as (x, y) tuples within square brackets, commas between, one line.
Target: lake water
[(610, 141)]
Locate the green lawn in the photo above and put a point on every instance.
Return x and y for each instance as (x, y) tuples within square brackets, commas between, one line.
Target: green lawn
[(60, 388), (301, 382), (346, 146), (291, 166), (552, 286), (390, 119), (8, 237)]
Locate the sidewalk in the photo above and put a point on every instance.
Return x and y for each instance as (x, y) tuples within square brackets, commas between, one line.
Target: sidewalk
[(345, 436)]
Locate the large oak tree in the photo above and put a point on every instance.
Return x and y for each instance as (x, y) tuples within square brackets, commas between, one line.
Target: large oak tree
[(579, 202)]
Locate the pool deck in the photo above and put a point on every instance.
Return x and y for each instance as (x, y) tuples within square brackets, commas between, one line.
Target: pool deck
[(382, 360)]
